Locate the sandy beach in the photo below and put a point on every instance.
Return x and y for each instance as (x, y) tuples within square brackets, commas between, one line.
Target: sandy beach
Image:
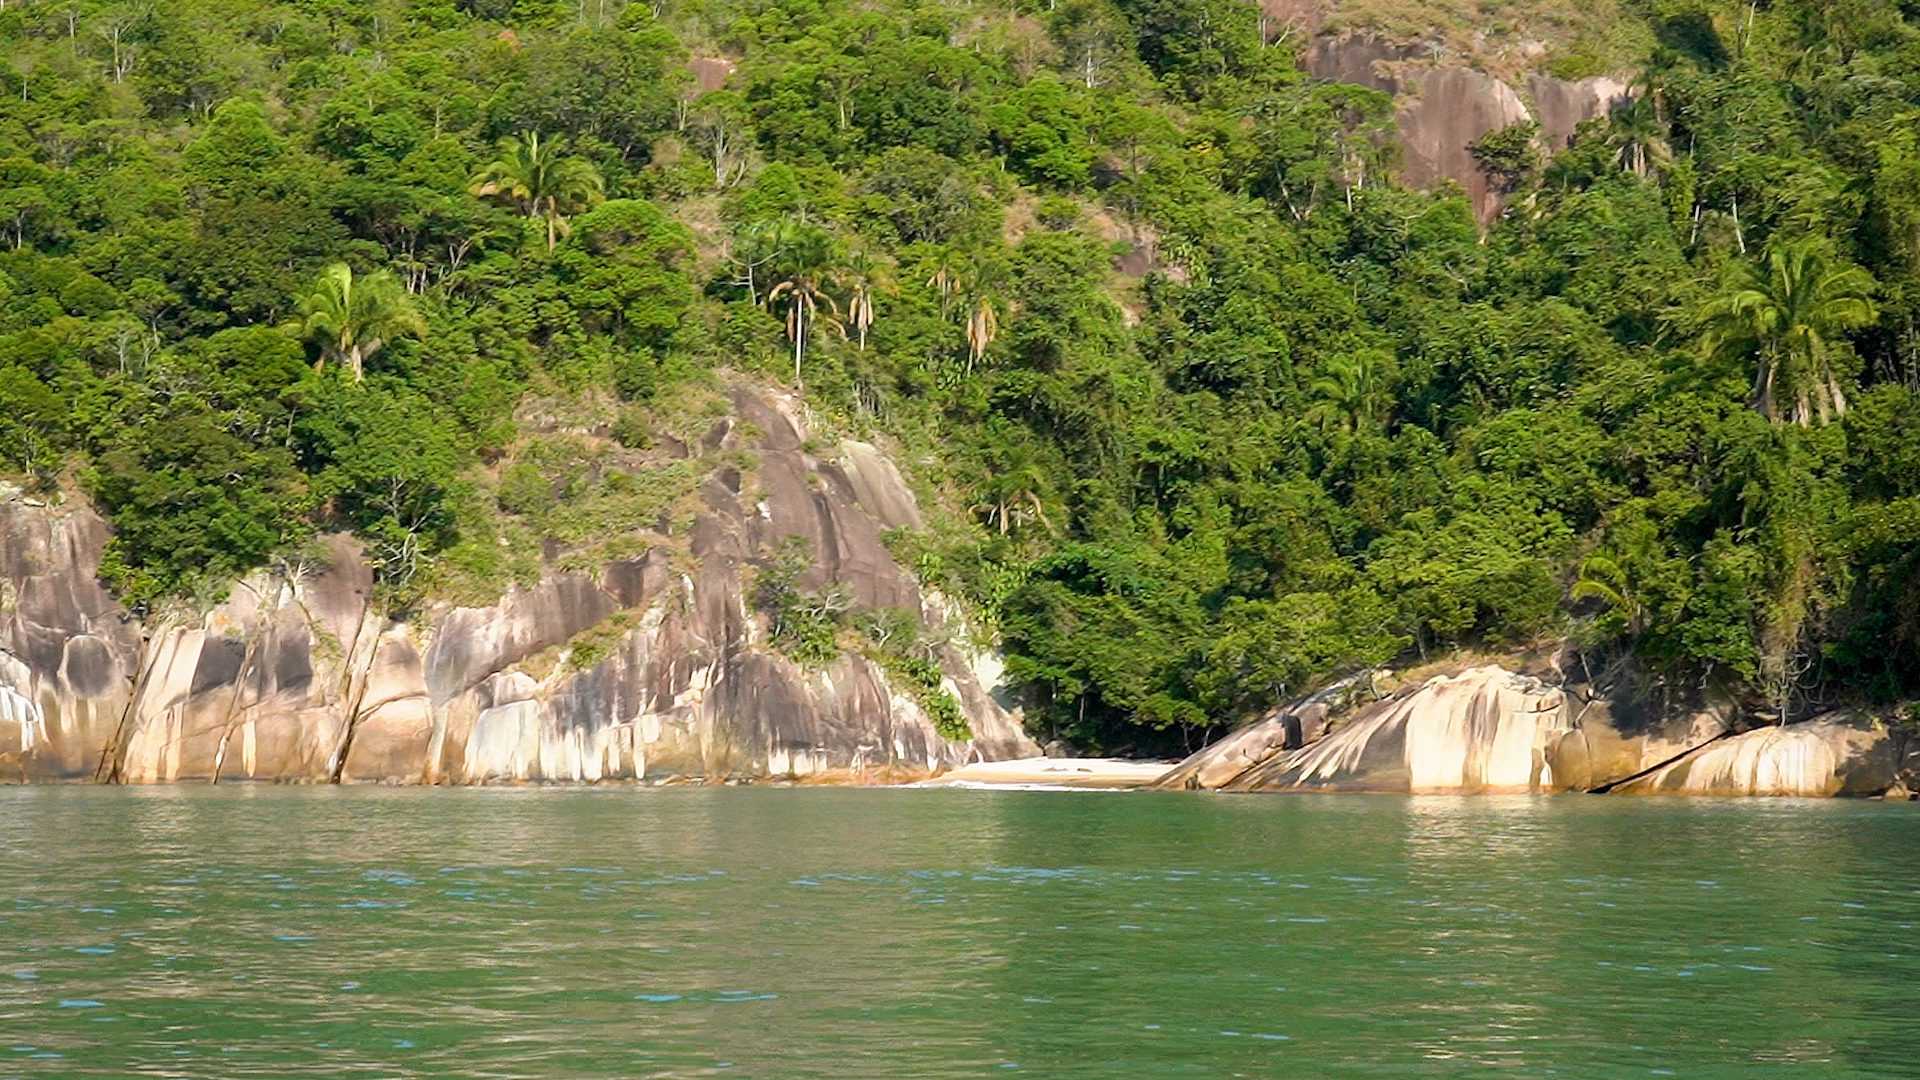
[(1043, 772)]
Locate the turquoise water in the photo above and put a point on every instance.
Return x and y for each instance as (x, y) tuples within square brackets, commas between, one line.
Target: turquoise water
[(242, 932)]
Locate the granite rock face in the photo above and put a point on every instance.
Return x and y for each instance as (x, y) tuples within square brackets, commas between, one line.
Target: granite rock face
[(1834, 755), (1442, 108), (1489, 729), (1484, 730), (297, 676), (1288, 727)]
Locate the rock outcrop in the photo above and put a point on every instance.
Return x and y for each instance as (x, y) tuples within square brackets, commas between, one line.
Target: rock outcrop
[(1841, 754), (1443, 108), (1484, 730), (653, 666), (1288, 727), (1488, 729)]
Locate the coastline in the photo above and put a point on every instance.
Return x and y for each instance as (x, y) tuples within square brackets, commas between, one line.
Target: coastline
[(1106, 774)]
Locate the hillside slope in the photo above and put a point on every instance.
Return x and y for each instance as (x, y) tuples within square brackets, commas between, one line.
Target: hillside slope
[(1214, 386), (658, 665)]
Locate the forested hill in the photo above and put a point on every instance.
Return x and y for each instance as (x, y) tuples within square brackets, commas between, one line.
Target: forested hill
[(1214, 408)]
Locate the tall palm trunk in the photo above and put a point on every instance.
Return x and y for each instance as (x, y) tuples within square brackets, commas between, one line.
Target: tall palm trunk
[(799, 340)]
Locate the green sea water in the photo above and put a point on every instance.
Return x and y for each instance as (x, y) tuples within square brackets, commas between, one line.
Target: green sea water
[(283, 932)]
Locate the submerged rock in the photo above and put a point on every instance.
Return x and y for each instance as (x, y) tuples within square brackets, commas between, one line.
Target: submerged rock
[(300, 678)]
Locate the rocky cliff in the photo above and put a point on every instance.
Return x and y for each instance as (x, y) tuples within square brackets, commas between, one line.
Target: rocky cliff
[(655, 665), (1444, 102), (1488, 729)]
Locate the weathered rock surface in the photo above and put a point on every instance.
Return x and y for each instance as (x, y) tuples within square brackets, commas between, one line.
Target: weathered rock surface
[(1442, 108), (1289, 727), (1839, 754), (1488, 729), (301, 679), (1484, 730)]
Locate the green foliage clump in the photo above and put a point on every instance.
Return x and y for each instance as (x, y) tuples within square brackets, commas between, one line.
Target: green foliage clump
[(892, 638), (803, 625)]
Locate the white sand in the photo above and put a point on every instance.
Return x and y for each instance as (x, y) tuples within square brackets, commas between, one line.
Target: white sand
[(1053, 772)]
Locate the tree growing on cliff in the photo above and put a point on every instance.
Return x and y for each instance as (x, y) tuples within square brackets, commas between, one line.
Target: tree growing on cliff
[(535, 175), (1788, 318), (1509, 157), (354, 317)]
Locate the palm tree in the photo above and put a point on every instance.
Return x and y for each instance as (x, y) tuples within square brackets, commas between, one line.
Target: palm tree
[(1013, 492), (1786, 316), (1347, 393), (978, 287), (864, 276), (803, 274), (944, 279), (535, 176), (1603, 579), (1639, 137), (354, 317)]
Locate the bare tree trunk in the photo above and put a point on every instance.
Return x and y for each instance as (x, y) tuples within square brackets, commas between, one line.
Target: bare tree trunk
[(111, 768), (354, 693), (233, 704)]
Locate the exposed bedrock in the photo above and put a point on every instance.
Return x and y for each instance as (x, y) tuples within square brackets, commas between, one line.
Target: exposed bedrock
[(1488, 729), (1840, 754), (1441, 108), (302, 679)]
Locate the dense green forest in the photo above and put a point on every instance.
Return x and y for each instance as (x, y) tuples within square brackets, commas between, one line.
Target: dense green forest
[(1215, 409)]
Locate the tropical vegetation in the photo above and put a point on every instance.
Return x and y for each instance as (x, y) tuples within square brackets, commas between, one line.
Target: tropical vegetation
[(1205, 406)]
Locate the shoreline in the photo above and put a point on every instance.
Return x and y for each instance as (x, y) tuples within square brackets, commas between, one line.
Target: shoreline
[(1016, 774), (1094, 774)]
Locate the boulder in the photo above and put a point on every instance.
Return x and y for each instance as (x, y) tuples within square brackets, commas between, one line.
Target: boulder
[(1486, 729), (1288, 727), (1838, 754)]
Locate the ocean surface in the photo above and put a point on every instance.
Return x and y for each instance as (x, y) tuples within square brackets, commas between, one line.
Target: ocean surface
[(756, 932)]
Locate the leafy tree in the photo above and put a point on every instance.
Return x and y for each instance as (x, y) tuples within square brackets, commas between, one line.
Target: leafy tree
[(1508, 156), (390, 471), (629, 272), (353, 318), (32, 423), (1044, 130), (538, 177), (1788, 319), (193, 505)]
